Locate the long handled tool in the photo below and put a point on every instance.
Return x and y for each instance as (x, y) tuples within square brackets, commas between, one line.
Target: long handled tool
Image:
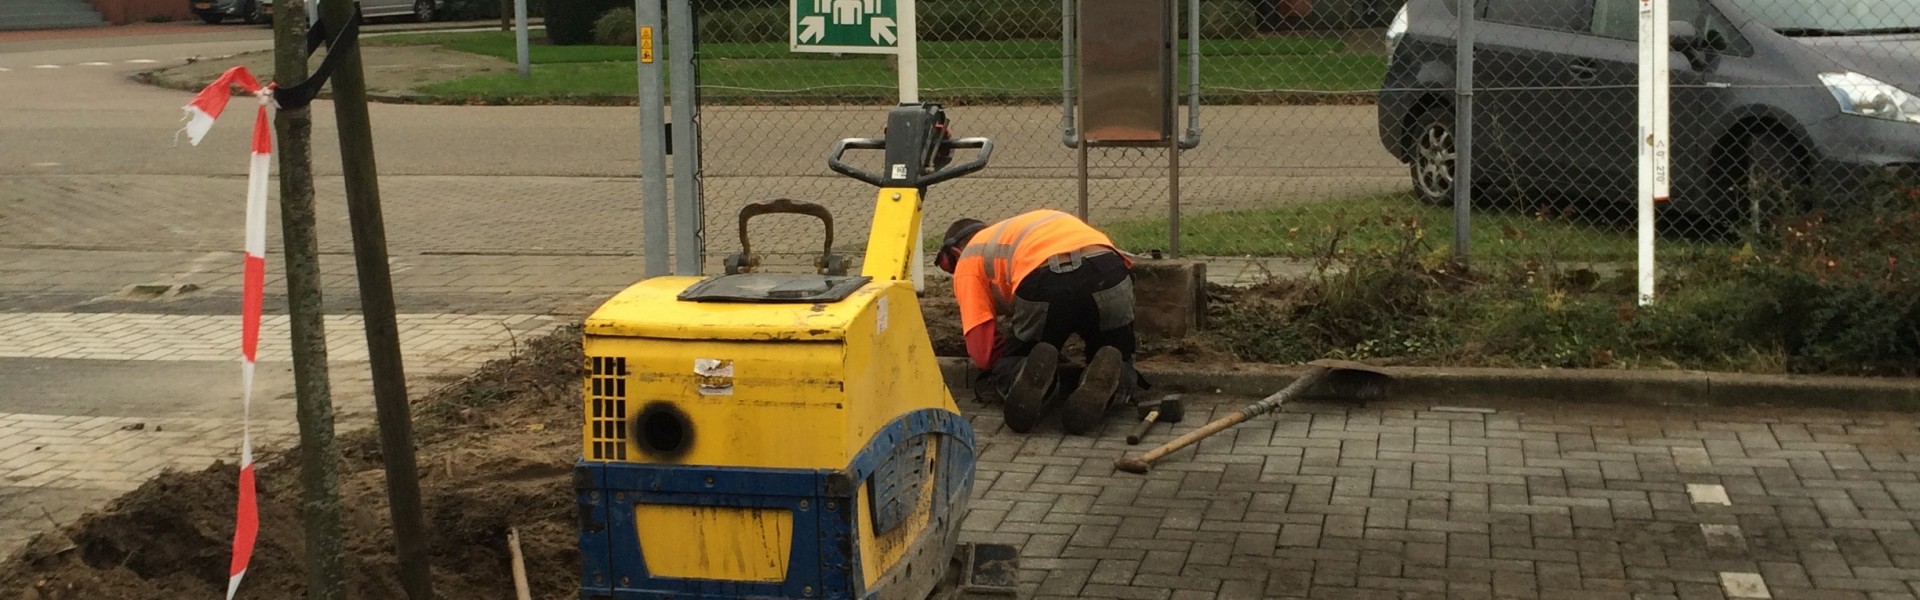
[(1169, 410), (1339, 378)]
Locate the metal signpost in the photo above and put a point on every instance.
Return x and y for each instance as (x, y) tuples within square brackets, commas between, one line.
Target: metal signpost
[(1122, 87), (1655, 81), (865, 27)]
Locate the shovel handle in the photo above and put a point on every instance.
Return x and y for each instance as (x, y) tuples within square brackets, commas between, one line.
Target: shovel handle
[(1145, 462), (1140, 431), (1264, 406)]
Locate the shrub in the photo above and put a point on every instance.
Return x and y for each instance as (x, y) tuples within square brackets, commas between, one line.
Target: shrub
[(948, 20), (1844, 288), (470, 10), (762, 24), (615, 28), (570, 22)]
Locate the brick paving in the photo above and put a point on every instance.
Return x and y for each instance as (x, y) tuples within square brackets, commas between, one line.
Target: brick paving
[(1404, 500)]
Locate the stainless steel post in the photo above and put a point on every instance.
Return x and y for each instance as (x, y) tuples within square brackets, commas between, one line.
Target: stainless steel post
[(653, 144)]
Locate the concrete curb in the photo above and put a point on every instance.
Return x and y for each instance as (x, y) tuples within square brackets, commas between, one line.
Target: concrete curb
[(1619, 387)]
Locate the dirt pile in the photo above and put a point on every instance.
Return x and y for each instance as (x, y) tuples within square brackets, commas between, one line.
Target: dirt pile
[(495, 452)]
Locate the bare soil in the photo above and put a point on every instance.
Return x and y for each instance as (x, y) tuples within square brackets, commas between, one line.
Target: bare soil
[(494, 451)]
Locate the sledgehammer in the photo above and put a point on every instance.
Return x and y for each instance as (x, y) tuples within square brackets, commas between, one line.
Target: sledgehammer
[(1169, 410), (1340, 378)]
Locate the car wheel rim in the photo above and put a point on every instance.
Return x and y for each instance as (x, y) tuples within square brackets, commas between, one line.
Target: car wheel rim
[(423, 10), (1433, 165)]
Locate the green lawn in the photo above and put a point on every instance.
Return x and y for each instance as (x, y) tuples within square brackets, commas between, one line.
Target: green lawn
[(989, 69), (1302, 231)]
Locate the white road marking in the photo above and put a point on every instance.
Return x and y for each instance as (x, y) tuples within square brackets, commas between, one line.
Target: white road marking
[(1744, 585), (95, 64), (1708, 493), (46, 164), (143, 61), (1722, 536), (4, 69), (46, 66)]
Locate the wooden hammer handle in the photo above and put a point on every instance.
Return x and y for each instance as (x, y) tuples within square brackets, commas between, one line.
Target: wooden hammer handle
[(1140, 431), (1140, 465)]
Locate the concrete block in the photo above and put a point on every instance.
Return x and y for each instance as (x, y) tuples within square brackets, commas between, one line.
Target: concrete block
[(1170, 298)]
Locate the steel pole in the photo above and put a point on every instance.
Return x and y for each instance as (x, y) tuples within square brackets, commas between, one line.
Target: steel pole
[(653, 143), (521, 50)]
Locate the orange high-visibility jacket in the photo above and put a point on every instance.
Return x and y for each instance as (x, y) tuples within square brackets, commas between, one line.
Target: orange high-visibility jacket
[(999, 257)]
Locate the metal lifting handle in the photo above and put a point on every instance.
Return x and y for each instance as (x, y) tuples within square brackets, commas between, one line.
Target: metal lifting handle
[(910, 179), (840, 148), (984, 145)]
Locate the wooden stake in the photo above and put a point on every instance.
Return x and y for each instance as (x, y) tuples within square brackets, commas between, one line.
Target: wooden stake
[(519, 566)]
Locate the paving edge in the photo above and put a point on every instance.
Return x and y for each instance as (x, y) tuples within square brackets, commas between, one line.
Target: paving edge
[(1461, 385)]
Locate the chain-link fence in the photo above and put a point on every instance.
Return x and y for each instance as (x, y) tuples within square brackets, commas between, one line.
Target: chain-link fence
[(1322, 116)]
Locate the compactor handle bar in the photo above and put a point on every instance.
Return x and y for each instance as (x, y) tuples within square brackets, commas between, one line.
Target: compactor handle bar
[(909, 176)]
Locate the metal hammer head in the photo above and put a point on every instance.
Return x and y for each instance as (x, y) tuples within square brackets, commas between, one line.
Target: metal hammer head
[(1172, 410)]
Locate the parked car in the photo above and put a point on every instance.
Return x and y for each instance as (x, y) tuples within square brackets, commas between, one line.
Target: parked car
[(420, 10), (1765, 94), (216, 11)]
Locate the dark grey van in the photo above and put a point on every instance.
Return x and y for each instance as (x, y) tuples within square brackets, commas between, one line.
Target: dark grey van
[(1821, 93)]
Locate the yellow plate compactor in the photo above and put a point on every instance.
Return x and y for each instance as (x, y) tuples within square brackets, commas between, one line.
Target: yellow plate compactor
[(772, 435)]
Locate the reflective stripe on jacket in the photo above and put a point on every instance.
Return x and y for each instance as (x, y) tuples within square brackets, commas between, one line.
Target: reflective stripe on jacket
[(998, 258)]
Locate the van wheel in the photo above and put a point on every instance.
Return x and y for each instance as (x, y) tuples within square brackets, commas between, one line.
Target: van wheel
[(1773, 171), (257, 14), (423, 10), (1433, 157), (212, 19)]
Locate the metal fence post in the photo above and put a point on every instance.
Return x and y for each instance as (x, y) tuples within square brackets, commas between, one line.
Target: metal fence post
[(1463, 134), (687, 216), (653, 144)]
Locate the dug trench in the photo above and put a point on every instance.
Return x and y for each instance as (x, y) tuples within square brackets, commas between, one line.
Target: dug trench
[(494, 452)]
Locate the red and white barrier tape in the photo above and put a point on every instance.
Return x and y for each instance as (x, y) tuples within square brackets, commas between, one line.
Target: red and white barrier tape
[(201, 113)]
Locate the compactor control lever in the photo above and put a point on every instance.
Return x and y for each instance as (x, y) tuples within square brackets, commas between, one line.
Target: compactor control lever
[(919, 148)]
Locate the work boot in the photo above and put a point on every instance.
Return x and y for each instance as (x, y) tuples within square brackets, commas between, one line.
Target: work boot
[(1026, 399), (1099, 388)]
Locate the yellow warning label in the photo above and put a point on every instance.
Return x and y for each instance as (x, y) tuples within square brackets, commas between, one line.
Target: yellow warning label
[(646, 44)]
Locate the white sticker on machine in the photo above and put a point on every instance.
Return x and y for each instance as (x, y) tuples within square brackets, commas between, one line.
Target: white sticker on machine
[(880, 320), (899, 172), (715, 376)]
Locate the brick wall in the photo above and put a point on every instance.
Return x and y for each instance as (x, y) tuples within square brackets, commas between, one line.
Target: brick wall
[(122, 12)]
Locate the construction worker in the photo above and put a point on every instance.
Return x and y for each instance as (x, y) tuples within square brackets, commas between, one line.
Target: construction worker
[(1024, 286)]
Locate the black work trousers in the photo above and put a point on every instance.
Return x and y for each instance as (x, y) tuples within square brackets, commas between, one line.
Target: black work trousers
[(1093, 299)]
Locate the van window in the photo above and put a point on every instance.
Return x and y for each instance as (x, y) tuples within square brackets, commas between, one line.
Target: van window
[(1620, 19), (1558, 15)]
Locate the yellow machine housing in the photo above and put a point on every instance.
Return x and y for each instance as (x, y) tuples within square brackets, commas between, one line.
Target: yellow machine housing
[(772, 435)]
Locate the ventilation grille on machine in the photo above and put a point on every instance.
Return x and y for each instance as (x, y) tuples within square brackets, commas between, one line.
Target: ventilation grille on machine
[(607, 409)]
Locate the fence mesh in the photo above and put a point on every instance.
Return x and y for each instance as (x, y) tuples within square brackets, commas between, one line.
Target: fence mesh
[(1322, 119)]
